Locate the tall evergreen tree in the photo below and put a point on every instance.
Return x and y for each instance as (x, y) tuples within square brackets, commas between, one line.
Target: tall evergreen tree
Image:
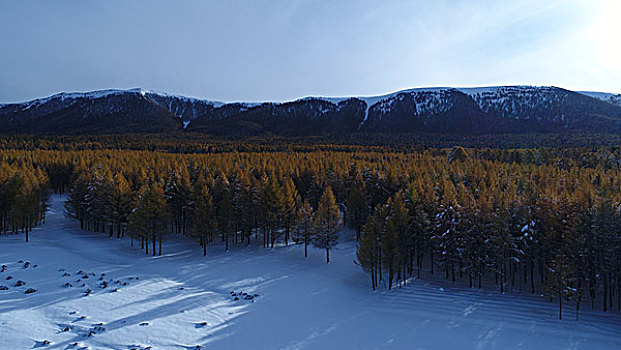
[(326, 222), (305, 221), (204, 222), (150, 216)]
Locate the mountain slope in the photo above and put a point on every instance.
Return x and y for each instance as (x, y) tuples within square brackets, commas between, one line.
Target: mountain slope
[(518, 109), (503, 109), (105, 111)]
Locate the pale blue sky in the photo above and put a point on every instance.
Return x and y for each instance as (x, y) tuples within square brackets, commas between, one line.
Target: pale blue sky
[(245, 50)]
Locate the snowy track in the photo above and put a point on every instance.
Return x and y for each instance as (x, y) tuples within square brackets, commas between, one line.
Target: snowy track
[(181, 300)]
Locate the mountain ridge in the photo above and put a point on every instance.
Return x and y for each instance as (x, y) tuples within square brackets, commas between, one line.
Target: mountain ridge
[(614, 98), (493, 109)]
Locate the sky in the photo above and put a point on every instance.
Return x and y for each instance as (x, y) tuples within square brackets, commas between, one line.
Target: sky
[(277, 50)]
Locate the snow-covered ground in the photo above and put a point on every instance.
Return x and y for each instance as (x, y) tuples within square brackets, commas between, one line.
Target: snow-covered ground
[(181, 300)]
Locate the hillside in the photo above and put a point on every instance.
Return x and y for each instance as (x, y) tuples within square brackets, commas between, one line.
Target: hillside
[(106, 111)]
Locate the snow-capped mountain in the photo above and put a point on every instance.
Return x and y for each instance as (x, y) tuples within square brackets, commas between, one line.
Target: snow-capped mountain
[(507, 109), (604, 96), (502, 109), (100, 104)]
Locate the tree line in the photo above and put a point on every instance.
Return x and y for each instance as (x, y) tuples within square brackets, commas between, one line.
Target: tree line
[(538, 220), (24, 189), (537, 229), (199, 143), (229, 209)]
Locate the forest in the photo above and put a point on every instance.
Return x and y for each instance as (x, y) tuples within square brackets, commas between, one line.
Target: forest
[(535, 220)]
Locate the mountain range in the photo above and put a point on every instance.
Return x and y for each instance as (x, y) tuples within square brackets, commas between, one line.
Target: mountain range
[(485, 110)]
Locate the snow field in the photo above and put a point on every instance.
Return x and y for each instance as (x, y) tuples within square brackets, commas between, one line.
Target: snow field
[(182, 300)]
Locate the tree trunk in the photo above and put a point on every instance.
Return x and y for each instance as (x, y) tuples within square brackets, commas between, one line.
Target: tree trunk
[(419, 263), (373, 278), (532, 277), (560, 304), (287, 235), (431, 261), (577, 309), (160, 253), (605, 293)]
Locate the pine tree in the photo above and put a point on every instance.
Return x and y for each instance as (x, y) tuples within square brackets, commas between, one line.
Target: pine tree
[(326, 222), (397, 240), (119, 204), (370, 250), (291, 200), (366, 252), (274, 208), (203, 215), (77, 204), (562, 277), (421, 228), (150, 216), (356, 205), (224, 208), (305, 220), (178, 199), (391, 256)]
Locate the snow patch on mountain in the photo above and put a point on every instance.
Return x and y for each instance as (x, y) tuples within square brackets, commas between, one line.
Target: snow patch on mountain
[(373, 100), (186, 108), (604, 96), (517, 102)]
